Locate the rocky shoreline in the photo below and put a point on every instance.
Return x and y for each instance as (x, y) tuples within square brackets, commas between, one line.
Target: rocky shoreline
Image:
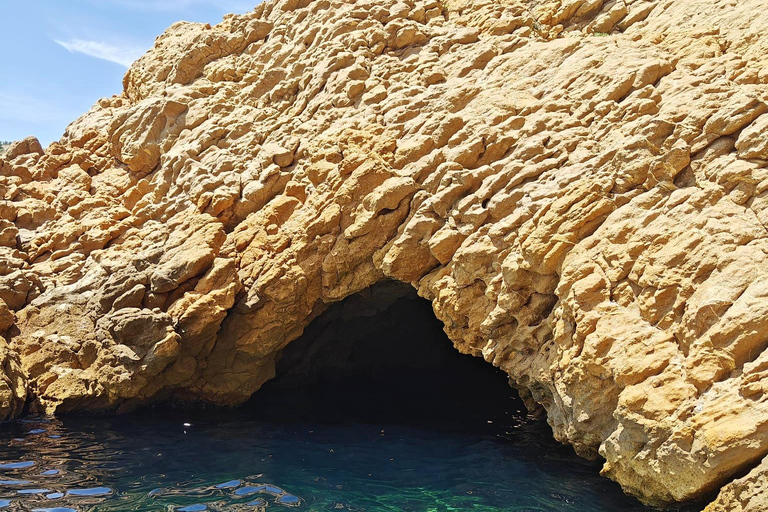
[(580, 188)]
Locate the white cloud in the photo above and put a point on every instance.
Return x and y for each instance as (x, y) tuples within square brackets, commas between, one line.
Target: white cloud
[(123, 55)]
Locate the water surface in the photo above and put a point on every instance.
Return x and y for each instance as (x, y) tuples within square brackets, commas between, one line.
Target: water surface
[(221, 461)]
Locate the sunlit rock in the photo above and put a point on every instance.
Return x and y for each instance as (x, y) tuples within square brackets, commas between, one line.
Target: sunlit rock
[(578, 187)]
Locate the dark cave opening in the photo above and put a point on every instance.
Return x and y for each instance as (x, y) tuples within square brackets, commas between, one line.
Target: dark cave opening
[(381, 356)]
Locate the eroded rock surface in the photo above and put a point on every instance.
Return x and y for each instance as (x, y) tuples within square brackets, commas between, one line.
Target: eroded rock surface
[(579, 187), (747, 494)]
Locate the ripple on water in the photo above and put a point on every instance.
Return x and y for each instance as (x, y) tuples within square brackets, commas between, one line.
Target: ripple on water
[(93, 491), (114, 466), (17, 465), (34, 421), (15, 482), (34, 491), (289, 499), (198, 507), (229, 485), (270, 489), (248, 489)]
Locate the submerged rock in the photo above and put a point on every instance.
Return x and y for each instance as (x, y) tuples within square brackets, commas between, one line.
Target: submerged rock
[(578, 187)]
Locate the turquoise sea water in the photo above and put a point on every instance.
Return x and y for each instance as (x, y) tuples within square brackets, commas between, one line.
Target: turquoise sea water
[(237, 462)]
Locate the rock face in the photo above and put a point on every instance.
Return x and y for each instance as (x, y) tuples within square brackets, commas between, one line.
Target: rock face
[(748, 494), (580, 187)]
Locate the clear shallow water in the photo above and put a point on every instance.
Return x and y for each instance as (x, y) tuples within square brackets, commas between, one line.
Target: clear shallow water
[(152, 463)]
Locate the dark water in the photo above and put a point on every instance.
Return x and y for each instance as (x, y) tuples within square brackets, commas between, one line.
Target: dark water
[(150, 463)]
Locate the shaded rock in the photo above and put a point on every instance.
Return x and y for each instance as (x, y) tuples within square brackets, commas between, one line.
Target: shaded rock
[(747, 494), (13, 383)]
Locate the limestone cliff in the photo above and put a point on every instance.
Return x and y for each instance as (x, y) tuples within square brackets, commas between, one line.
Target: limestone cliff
[(580, 187)]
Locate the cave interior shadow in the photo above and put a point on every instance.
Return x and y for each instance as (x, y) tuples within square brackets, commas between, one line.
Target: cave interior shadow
[(381, 356)]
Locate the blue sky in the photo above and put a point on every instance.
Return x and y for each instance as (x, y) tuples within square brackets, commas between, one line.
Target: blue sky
[(60, 56)]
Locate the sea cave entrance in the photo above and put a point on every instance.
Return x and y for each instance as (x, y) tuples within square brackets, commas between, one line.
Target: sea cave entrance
[(372, 408), (383, 412), (381, 356)]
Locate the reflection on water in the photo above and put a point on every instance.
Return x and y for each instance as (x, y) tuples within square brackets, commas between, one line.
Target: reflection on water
[(97, 465), (185, 464)]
